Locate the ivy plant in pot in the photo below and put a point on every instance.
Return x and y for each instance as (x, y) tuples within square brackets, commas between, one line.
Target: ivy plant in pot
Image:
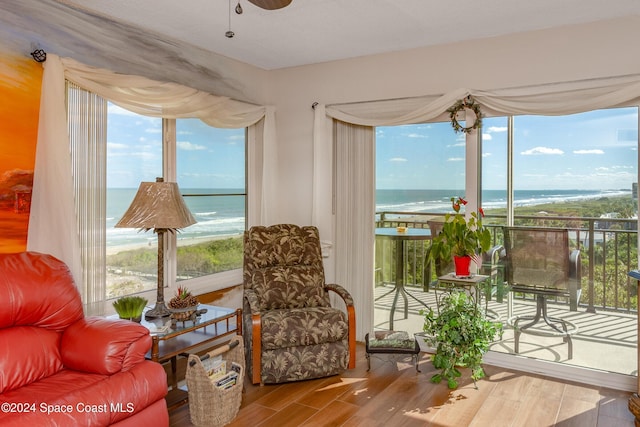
[(463, 334), (461, 238)]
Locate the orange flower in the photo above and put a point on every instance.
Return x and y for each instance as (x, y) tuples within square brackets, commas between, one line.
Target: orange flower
[(481, 211)]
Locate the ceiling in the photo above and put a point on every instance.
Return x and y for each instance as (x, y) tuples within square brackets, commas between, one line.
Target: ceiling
[(314, 31)]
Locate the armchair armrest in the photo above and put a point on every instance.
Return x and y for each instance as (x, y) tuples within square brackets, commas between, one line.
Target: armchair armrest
[(342, 292), (494, 254), (104, 346), (252, 319), (574, 265), (575, 279), (351, 314), (493, 266)]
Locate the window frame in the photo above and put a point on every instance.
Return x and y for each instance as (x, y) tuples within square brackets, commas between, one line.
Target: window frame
[(209, 282)]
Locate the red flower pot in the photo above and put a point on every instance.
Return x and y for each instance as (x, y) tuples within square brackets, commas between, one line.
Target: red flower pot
[(463, 265)]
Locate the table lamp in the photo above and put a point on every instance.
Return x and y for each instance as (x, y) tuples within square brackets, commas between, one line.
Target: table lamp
[(158, 206)]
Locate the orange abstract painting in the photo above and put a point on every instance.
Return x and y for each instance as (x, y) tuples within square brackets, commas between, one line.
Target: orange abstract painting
[(20, 82)]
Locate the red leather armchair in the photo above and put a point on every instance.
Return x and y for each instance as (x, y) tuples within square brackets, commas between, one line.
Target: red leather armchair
[(58, 367)]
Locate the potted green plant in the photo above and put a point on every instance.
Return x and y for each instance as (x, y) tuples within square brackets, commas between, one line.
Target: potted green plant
[(130, 307), (462, 333), (461, 237)]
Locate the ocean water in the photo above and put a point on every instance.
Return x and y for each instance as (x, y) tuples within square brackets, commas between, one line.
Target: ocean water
[(224, 215), (215, 216), (440, 200)]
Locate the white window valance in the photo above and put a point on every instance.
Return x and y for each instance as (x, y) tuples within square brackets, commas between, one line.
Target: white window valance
[(52, 222), (553, 99)]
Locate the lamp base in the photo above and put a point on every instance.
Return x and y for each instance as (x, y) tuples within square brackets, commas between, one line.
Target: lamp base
[(160, 310)]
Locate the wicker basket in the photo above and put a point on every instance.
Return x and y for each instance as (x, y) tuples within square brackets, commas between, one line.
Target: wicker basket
[(209, 405)]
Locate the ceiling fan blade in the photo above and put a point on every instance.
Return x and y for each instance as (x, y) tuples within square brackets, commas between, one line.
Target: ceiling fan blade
[(271, 4)]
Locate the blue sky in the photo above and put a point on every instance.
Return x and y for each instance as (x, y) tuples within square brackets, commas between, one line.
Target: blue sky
[(594, 150), (207, 157)]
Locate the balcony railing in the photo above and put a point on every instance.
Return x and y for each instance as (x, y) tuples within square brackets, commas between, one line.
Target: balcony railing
[(608, 251)]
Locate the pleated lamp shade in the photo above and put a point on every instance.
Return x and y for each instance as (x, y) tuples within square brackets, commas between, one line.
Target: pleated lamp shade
[(159, 206)]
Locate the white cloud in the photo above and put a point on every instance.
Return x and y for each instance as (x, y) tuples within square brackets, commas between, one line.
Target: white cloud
[(492, 129), (138, 154), (114, 109), (486, 154), (486, 137), (116, 146), (397, 159), (542, 150), (455, 159), (622, 167), (233, 139), (594, 151), (188, 146), (416, 135)]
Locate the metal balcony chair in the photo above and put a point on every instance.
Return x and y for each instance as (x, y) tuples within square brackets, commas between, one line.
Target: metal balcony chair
[(539, 261)]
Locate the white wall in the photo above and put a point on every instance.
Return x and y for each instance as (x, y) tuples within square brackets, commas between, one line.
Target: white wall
[(572, 53)]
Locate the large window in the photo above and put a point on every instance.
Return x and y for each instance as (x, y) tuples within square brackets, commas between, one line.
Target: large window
[(134, 155), (211, 175), (576, 171), (562, 165), (209, 164), (418, 167)]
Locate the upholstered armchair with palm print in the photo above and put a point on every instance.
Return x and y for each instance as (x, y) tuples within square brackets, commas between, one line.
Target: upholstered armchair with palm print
[(291, 331)]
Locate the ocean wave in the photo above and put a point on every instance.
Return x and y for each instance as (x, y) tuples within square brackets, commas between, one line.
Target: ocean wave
[(529, 198), (204, 213), (212, 227)]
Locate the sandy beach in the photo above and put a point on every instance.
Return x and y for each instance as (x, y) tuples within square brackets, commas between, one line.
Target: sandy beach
[(153, 244)]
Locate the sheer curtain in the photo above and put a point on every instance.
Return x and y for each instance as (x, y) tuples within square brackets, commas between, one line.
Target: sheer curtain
[(552, 99), (53, 222), (355, 208), (88, 142)]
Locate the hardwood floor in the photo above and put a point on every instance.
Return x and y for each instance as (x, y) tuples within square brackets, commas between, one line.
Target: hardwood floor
[(394, 394)]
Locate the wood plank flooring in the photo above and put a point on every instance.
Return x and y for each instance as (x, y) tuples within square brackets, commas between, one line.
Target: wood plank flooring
[(394, 394)]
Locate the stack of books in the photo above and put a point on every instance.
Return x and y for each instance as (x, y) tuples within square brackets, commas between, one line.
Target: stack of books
[(218, 374)]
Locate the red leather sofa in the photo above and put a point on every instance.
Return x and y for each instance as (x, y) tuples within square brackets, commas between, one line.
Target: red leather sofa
[(60, 368)]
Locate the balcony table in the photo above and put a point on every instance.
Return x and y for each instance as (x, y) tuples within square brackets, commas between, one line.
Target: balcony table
[(400, 238)]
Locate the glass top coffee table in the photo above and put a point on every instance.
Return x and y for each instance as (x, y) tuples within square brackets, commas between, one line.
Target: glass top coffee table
[(171, 339)]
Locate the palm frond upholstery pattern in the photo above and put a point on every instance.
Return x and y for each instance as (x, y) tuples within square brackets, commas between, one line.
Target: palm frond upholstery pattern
[(291, 330)]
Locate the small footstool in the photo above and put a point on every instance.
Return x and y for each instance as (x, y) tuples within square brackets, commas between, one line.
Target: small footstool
[(391, 342)]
